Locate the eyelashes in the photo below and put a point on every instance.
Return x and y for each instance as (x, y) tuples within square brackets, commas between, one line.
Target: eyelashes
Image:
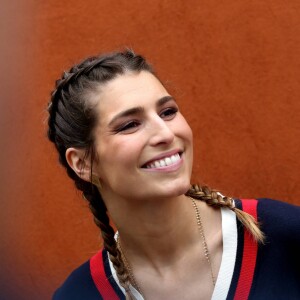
[(169, 113), (133, 125)]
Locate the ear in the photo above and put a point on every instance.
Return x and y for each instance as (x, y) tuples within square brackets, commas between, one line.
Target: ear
[(79, 163)]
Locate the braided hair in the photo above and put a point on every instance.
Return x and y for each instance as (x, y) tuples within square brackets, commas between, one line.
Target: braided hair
[(214, 199), (72, 119), (71, 123)]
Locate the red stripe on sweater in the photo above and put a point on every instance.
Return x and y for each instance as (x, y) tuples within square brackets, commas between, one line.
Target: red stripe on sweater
[(249, 255), (99, 277)]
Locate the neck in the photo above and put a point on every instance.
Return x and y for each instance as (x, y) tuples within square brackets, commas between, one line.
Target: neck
[(155, 228)]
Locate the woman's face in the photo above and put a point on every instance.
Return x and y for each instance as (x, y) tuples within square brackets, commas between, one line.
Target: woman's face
[(143, 143)]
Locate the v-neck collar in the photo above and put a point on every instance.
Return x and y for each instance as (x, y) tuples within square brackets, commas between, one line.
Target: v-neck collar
[(229, 237)]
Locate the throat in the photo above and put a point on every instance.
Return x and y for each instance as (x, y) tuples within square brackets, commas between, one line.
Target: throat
[(151, 238), (188, 252), (186, 277)]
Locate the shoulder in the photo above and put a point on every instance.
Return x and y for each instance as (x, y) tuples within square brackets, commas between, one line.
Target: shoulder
[(276, 273), (277, 207), (79, 285), (93, 281), (279, 219), (279, 216)]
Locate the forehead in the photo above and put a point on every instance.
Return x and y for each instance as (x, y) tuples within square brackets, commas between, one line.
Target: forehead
[(127, 91)]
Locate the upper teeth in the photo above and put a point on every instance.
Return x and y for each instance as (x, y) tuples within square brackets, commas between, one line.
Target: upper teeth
[(164, 162)]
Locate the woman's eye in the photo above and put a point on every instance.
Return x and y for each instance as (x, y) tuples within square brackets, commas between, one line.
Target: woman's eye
[(169, 113), (129, 127)]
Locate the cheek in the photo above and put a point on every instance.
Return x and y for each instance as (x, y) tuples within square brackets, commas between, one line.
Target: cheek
[(185, 130), (121, 153), (189, 133)]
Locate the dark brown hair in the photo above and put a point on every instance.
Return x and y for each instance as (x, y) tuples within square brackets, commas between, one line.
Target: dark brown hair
[(72, 119)]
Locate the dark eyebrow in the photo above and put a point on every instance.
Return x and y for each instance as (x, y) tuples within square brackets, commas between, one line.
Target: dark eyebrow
[(164, 100), (126, 113), (139, 109)]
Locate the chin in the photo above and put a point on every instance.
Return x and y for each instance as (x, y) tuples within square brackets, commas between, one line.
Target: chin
[(177, 189)]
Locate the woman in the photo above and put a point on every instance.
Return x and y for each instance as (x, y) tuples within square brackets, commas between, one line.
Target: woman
[(124, 142)]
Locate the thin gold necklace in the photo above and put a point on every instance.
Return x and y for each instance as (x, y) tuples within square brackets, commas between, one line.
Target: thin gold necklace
[(205, 247), (128, 267)]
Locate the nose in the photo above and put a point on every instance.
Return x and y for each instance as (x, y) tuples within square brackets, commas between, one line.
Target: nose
[(160, 132)]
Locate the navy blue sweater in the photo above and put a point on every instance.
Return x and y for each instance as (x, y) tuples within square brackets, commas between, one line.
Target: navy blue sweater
[(276, 268)]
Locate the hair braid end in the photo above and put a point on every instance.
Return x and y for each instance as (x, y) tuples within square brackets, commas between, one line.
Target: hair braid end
[(251, 224), (215, 199)]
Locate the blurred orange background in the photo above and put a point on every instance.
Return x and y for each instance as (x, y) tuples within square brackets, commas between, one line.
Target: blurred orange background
[(233, 65)]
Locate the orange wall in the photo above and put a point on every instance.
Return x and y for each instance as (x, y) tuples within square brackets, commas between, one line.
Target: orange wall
[(233, 65)]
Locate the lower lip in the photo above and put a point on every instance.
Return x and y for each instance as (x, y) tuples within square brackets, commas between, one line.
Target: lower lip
[(170, 168)]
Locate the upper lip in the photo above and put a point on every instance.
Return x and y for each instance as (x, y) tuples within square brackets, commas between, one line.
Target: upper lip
[(162, 156)]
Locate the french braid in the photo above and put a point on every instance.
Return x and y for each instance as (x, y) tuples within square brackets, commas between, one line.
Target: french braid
[(71, 122), (101, 219), (213, 198)]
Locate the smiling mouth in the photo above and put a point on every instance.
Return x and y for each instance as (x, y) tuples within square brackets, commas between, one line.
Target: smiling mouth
[(163, 162)]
